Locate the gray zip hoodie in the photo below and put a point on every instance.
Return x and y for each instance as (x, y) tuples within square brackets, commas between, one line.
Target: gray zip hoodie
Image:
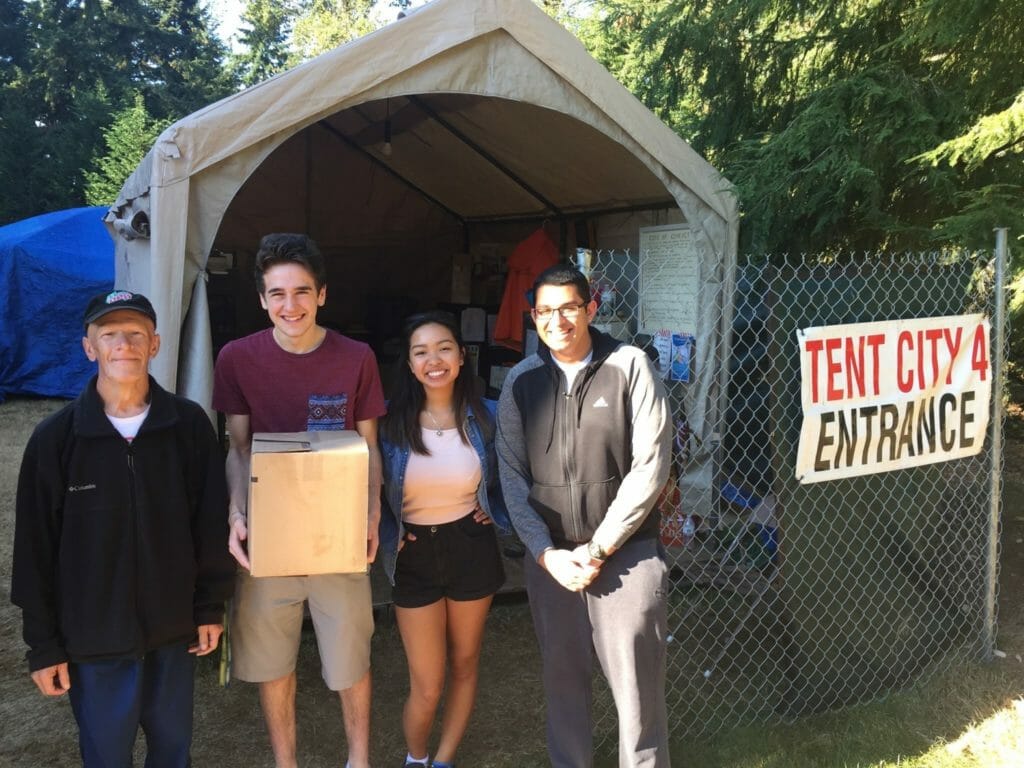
[(587, 464)]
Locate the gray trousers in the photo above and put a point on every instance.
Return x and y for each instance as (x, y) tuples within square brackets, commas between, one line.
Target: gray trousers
[(622, 618)]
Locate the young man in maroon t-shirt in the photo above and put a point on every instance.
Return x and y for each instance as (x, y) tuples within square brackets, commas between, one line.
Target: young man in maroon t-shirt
[(295, 377)]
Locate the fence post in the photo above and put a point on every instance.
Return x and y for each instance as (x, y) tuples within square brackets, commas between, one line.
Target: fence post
[(995, 492)]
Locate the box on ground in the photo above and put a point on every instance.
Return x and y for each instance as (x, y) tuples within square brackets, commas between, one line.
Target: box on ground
[(307, 503)]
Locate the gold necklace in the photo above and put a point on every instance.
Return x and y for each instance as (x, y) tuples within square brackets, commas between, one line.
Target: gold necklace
[(437, 427)]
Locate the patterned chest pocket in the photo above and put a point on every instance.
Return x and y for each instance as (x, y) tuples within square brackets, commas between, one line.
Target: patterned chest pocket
[(327, 412)]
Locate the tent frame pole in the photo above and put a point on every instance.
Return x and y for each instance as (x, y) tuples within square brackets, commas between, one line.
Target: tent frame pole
[(997, 344)]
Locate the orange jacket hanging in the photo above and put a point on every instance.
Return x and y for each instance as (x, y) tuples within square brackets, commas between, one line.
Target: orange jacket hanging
[(531, 257)]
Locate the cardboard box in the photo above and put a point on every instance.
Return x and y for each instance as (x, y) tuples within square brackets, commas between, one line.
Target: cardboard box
[(308, 503)]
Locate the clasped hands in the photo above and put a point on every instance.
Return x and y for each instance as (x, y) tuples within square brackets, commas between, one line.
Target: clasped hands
[(574, 569)]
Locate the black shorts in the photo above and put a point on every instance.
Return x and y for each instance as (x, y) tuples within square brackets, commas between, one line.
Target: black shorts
[(458, 560)]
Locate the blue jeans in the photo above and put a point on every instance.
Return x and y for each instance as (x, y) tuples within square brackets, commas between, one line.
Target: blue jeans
[(111, 699)]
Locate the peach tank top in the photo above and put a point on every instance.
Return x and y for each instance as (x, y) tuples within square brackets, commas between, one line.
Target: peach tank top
[(441, 488)]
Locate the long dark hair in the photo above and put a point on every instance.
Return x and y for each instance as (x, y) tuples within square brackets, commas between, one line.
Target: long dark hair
[(401, 426)]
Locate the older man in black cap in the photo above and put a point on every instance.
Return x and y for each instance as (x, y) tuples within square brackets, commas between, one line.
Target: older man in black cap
[(120, 565)]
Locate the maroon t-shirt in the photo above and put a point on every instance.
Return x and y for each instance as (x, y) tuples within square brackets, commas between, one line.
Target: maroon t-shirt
[(330, 388)]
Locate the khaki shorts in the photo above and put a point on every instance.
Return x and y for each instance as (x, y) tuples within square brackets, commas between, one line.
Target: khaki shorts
[(266, 626)]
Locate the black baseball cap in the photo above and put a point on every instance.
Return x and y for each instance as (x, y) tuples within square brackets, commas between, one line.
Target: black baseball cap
[(105, 303)]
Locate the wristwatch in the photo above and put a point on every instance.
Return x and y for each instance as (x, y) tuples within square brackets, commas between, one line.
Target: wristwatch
[(596, 551)]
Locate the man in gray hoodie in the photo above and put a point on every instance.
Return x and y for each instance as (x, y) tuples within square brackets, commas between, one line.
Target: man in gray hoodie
[(583, 447)]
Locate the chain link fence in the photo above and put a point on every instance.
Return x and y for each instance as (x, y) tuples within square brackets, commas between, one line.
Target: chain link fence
[(789, 599)]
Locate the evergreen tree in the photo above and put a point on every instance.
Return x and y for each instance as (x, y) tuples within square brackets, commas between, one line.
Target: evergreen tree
[(829, 114), (982, 60), (326, 24), (182, 66), (13, 39), (67, 66), (54, 96), (264, 35), (13, 113), (127, 140), (845, 124)]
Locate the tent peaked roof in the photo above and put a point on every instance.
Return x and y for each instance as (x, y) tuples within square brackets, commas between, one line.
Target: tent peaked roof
[(494, 110), (374, 65)]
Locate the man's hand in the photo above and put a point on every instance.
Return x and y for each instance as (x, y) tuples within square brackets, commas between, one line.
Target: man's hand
[(53, 681), (581, 556), (565, 568), (372, 537), (367, 429), (208, 635), (238, 532)]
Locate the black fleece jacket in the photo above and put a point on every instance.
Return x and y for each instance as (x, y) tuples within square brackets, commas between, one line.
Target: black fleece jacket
[(119, 547)]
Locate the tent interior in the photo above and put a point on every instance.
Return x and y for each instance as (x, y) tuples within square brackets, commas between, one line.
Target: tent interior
[(416, 156), (403, 193)]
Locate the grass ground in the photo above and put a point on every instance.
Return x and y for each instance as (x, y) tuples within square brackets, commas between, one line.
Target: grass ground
[(970, 717)]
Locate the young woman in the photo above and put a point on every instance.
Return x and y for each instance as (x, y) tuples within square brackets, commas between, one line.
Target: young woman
[(436, 539)]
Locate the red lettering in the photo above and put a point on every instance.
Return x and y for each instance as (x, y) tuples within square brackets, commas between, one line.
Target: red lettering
[(854, 367), (904, 381), (814, 346), (832, 392), (920, 360), (979, 352), (875, 341), (953, 347), (934, 336)]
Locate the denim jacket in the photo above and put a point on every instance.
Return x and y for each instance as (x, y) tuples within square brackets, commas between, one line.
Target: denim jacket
[(395, 459)]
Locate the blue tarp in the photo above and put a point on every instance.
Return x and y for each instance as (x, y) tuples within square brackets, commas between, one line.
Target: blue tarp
[(50, 266)]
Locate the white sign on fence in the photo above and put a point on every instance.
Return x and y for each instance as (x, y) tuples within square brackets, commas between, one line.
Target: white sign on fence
[(669, 279), (891, 395)]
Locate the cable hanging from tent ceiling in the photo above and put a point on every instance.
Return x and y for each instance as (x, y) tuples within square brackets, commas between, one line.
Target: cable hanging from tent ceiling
[(386, 148)]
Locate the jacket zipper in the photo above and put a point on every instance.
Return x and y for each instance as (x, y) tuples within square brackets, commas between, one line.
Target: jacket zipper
[(135, 540), (569, 453)]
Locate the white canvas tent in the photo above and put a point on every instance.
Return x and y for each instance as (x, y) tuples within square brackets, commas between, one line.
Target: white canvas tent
[(494, 112)]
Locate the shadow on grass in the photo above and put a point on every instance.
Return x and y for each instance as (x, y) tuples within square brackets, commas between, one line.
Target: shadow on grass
[(907, 726), (891, 732)]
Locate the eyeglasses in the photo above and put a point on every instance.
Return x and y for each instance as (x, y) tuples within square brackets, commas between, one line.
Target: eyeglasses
[(568, 312)]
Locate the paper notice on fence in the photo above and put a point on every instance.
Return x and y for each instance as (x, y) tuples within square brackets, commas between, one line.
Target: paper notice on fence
[(662, 342), (892, 395)]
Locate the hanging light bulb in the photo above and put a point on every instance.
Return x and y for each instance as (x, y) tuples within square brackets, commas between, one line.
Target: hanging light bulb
[(386, 148)]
